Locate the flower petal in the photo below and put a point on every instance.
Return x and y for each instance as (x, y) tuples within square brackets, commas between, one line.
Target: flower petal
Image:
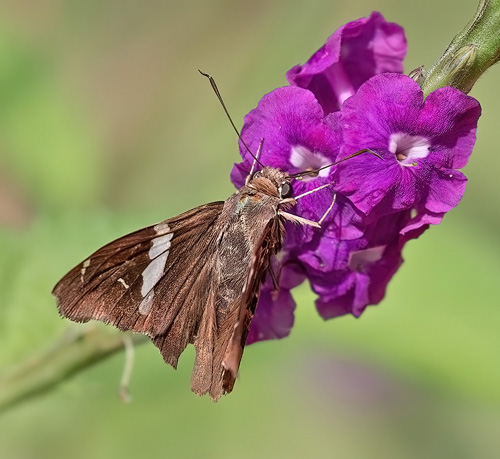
[(274, 317), (289, 121), (450, 118), (352, 290), (353, 54), (446, 190)]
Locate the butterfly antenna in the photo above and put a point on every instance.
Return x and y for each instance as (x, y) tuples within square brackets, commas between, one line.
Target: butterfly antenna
[(218, 94), (299, 175)]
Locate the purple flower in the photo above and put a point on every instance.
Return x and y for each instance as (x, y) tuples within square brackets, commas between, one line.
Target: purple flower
[(422, 143), (353, 54), (341, 101)]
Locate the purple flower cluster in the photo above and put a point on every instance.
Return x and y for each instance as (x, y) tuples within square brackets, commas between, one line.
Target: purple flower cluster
[(349, 96)]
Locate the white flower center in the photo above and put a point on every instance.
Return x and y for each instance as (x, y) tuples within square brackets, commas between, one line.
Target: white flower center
[(408, 148), (358, 259), (306, 160)]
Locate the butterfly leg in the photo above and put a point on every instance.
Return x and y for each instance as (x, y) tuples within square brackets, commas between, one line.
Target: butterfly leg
[(297, 219), (327, 210), (311, 191), (274, 278), (304, 221)]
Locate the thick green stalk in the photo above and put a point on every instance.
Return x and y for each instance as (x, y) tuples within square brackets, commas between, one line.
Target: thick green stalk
[(471, 52), (71, 353)]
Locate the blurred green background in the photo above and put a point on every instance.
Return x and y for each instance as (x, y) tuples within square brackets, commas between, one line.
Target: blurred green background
[(106, 126)]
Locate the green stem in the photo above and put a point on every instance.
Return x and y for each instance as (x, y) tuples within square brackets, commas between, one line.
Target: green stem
[(471, 52), (73, 352)]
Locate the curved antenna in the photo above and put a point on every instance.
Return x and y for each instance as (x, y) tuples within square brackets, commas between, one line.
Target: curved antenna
[(300, 175), (218, 94)]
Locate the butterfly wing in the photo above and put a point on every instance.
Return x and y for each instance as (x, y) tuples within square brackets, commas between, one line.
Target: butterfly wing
[(231, 351), (154, 281), (194, 278)]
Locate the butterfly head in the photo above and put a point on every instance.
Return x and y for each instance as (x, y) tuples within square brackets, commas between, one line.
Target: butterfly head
[(272, 182)]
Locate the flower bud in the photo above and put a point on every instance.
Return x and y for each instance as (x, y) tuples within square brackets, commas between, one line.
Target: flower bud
[(470, 53)]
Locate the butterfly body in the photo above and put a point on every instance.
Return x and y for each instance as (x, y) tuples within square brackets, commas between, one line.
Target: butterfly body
[(194, 278)]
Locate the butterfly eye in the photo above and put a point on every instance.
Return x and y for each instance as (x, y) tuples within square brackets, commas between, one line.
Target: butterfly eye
[(257, 174), (286, 190)]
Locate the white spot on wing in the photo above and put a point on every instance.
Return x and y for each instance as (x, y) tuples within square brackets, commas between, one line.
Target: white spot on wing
[(162, 228), (146, 304), (123, 283), (160, 244), (85, 265), (153, 272), (158, 254)]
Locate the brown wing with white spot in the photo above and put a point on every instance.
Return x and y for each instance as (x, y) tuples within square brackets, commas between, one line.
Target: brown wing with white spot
[(154, 281)]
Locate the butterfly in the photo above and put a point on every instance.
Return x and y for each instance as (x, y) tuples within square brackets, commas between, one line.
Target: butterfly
[(194, 278)]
